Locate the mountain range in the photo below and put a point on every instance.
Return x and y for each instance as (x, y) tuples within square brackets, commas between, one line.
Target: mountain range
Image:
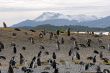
[(59, 19)]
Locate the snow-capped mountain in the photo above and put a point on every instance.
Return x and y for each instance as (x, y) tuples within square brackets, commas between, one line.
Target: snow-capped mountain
[(83, 17), (51, 16), (59, 19)]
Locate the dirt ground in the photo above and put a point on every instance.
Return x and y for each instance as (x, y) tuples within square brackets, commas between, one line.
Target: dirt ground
[(22, 39)]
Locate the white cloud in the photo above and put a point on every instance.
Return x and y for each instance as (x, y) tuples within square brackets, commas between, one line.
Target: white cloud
[(51, 3)]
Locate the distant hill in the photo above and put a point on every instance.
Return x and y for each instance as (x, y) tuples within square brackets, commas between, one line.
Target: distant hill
[(72, 27), (26, 23), (103, 22)]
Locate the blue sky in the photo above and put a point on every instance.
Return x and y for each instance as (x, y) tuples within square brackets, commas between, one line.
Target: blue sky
[(14, 11)]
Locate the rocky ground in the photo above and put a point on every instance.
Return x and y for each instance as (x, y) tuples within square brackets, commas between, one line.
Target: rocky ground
[(65, 62)]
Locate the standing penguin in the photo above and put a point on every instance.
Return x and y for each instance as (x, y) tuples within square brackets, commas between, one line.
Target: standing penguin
[(1, 46), (32, 40), (14, 50), (62, 40), (86, 66), (68, 31), (12, 62), (89, 42), (10, 70), (101, 55), (58, 32), (77, 55), (58, 44), (21, 59), (94, 59), (32, 62), (54, 64), (98, 69), (51, 35), (4, 24), (54, 55), (70, 52), (39, 54), (108, 47), (38, 62), (75, 43)]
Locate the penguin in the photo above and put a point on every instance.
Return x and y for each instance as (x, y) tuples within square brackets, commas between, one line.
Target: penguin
[(10, 70), (54, 55), (86, 66), (32, 62), (14, 50), (39, 54), (38, 62), (94, 59), (21, 59), (77, 55)]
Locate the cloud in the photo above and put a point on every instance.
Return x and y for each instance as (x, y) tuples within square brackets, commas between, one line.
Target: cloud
[(54, 5), (41, 4)]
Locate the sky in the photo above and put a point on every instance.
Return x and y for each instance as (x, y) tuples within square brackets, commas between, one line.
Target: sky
[(15, 11)]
